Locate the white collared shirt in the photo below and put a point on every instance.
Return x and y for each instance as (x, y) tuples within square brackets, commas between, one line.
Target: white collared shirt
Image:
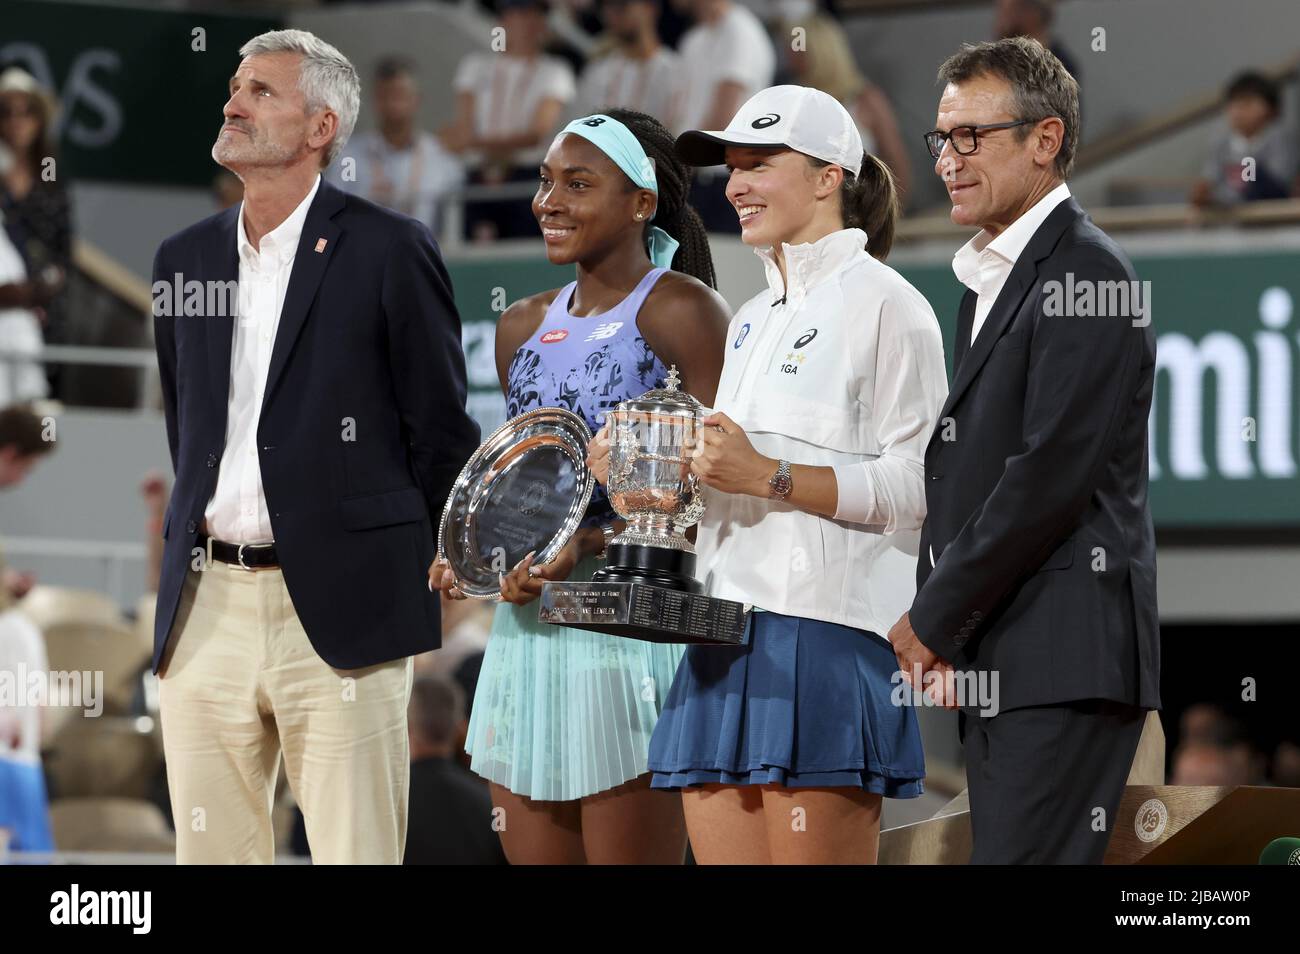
[(508, 91), (847, 372), (984, 263), (237, 512), (735, 48), (20, 333), (651, 85), (412, 180)]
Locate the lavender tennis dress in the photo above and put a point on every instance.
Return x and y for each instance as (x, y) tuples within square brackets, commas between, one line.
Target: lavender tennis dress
[(562, 713)]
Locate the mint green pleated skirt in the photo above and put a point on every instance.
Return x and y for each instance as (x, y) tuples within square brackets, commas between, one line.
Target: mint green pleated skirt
[(561, 713)]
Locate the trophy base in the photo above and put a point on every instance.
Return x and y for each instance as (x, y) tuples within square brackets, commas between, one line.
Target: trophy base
[(652, 566), (644, 611)]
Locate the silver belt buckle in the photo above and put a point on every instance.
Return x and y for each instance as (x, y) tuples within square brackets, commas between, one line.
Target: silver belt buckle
[(240, 556)]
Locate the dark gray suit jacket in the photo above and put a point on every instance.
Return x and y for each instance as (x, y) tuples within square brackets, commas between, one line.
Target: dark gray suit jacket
[(1038, 517)]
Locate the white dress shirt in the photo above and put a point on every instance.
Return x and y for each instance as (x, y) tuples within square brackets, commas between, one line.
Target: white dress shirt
[(237, 512), (20, 331), (652, 85), (984, 263), (843, 368), (733, 49), (412, 180), (508, 91)]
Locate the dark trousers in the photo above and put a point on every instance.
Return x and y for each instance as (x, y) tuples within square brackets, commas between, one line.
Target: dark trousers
[(1045, 781)]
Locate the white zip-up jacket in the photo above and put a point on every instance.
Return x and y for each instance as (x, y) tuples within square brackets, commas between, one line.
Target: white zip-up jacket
[(843, 368)]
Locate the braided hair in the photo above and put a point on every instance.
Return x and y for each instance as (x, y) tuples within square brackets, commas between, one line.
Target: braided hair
[(674, 213)]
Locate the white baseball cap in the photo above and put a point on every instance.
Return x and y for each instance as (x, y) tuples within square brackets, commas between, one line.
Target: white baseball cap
[(798, 117)]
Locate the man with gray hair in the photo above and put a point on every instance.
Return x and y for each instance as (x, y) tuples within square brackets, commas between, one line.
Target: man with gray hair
[(316, 421), (1036, 577)]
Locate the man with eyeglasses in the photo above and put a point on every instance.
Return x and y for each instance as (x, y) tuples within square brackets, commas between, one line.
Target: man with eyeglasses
[(1036, 577)]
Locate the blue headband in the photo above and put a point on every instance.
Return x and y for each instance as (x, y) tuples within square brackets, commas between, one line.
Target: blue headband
[(616, 141)]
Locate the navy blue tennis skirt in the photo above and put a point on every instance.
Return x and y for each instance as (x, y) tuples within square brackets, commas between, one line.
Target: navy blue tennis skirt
[(804, 703)]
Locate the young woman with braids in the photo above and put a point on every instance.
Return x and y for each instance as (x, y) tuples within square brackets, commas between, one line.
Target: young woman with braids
[(562, 718)]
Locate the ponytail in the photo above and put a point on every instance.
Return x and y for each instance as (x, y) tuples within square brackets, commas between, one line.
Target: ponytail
[(673, 213), (869, 201)]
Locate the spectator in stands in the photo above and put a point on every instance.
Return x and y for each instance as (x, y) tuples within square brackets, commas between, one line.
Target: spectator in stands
[(824, 61), (639, 73), (24, 809), (1033, 19), (727, 57), (572, 31), (466, 625), (465, 628), (508, 105), (399, 165), (1201, 722), (1257, 157), (451, 819), (23, 442), (24, 804), (1203, 763), (34, 202), (1214, 749), (1286, 765), (21, 375)]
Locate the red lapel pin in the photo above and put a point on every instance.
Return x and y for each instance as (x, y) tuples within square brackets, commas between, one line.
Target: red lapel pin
[(320, 245)]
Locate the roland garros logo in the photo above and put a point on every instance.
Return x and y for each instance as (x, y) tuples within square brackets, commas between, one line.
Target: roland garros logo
[(533, 498), (1151, 818)]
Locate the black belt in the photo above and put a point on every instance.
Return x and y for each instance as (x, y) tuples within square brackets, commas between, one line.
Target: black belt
[(250, 556)]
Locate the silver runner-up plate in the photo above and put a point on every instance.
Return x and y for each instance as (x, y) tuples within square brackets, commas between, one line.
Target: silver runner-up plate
[(526, 488)]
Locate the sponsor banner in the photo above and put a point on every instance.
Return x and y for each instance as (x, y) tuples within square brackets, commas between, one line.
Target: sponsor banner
[(1225, 434), (140, 91)]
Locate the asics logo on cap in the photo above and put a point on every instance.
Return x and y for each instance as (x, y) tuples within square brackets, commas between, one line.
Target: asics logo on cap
[(762, 122)]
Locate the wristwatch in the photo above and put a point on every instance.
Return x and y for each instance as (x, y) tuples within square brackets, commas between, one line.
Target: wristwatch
[(780, 483), (607, 533)]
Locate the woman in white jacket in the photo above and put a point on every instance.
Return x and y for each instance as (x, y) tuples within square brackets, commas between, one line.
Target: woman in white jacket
[(832, 383)]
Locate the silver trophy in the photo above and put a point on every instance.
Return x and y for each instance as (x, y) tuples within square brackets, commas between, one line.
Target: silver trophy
[(525, 488), (647, 587), (651, 487)]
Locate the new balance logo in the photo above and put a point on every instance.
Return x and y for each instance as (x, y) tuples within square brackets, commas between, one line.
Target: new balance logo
[(606, 330)]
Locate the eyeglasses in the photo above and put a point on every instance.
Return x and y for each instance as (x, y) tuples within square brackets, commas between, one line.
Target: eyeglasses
[(965, 139)]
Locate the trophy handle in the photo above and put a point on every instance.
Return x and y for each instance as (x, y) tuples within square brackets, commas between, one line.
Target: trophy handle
[(629, 447), (692, 514)]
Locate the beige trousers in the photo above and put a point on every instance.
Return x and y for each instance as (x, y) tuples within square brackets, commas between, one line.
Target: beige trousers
[(240, 684)]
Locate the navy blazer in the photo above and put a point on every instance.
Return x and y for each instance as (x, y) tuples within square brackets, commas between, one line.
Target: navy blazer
[(1036, 488), (363, 426)]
